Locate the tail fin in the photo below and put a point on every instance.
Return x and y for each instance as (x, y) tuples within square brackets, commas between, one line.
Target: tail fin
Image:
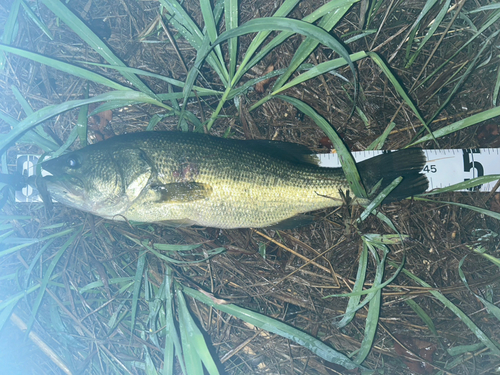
[(386, 167)]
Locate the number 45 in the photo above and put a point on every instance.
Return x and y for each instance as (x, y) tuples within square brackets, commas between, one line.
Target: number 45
[(430, 168)]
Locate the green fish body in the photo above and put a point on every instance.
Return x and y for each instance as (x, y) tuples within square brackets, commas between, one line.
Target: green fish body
[(196, 179)]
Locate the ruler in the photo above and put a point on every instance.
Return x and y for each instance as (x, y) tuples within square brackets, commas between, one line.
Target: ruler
[(443, 167), (26, 165)]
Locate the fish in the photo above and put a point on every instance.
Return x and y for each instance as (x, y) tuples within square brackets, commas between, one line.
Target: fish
[(186, 178)]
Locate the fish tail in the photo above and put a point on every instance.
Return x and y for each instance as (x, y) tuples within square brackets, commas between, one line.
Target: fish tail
[(383, 169)]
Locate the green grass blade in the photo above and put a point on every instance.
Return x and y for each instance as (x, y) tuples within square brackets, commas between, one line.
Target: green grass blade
[(153, 121), (458, 350), (400, 90), (16, 297), (168, 247), (231, 17), (14, 217), (375, 302), (141, 261), (31, 241), (34, 261), (459, 313), (473, 182), (111, 105), (168, 352), (483, 211), (459, 125), (210, 26), (309, 44), (190, 354), (283, 10), (430, 32), (371, 290), (8, 233), (28, 110), (414, 28), (423, 315), (466, 75), (319, 69), (377, 201), (71, 139), (492, 308), (30, 136), (64, 67), (485, 8), (374, 7), (84, 32), (497, 87), (256, 25), (150, 366), (48, 275), (383, 218), (491, 258), (490, 21), (116, 317), (195, 337), (12, 276), (352, 305), (9, 29), (243, 89), (5, 314), (362, 116), (175, 105), (82, 122), (378, 143), (370, 327), (275, 326), (98, 284), (37, 20), (192, 118), (260, 37), (191, 32), (54, 110), (211, 253), (170, 327), (359, 36), (345, 157), (186, 22), (201, 91)]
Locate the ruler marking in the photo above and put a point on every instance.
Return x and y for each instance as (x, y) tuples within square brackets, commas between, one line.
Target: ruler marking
[(443, 167)]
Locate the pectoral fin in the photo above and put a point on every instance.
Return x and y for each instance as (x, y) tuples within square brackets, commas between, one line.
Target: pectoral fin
[(182, 192)]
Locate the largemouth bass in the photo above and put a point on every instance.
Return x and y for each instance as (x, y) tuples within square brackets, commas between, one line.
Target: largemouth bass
[(196, 179)]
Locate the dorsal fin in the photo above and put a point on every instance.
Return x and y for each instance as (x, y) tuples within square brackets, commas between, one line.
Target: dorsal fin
[(291, 152)]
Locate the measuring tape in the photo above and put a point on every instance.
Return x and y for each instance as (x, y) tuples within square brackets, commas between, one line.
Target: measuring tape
[(443, 167)]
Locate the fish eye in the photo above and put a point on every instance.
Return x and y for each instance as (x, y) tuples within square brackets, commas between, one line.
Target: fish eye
[(73, 163)]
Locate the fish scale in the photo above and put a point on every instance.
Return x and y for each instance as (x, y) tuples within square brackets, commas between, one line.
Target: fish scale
[(189, 178)]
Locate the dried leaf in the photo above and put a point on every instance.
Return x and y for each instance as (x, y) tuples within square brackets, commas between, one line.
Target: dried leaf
[(424, 349), (262, 85)]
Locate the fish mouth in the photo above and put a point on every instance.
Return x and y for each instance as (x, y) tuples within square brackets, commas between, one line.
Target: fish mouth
[(66, 189)]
